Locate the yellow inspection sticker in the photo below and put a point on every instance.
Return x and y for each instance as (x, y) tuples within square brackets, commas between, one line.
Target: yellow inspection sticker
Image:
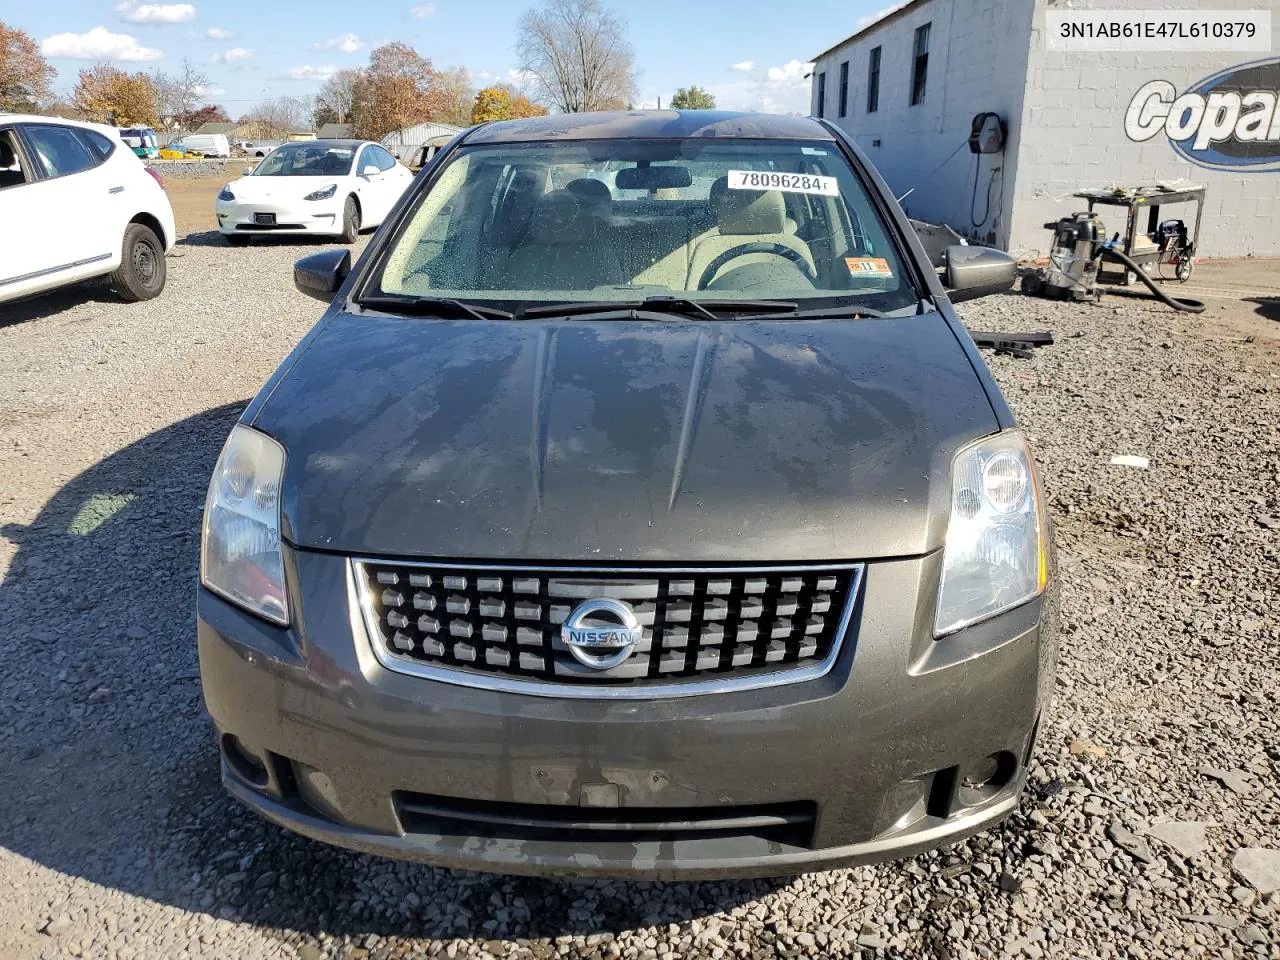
[(868, 266), (786, 182)]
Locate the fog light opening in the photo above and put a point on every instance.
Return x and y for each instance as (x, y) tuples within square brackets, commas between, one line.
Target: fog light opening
[(243, 763), (980, 780)]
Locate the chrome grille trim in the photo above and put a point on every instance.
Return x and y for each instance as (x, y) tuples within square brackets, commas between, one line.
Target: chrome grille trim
[(359, 583)]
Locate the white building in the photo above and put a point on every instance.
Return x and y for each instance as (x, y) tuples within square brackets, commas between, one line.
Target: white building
[(908, 86), (415, 136)]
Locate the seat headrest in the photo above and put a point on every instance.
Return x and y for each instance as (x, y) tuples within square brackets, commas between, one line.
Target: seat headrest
[(559, 221), (715, 201), (751, 213), (592, 194), (6, 153)]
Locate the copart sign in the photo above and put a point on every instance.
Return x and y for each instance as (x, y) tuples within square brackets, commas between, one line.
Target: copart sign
[(1230, 120)]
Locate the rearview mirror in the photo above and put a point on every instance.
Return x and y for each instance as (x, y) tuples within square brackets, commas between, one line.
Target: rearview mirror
[(321, 274), (247, 170), (653, 178), (973, 272), (369, 170)]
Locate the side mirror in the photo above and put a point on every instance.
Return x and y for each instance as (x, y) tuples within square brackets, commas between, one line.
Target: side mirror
[(370, 170), (321, 274), (973, 272), (246, 170)]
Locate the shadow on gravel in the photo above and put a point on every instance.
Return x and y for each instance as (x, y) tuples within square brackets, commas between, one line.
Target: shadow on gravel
[(56, 301), (108, 770), (212, 238), (1268, 308)]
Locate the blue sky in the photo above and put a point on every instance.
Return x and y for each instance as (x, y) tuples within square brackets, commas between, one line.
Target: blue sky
[(751, 53)]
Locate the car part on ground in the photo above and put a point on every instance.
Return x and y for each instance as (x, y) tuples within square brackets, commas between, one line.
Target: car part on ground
[(1018, 345)]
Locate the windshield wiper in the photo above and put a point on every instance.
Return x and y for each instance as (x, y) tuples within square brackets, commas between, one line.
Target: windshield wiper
[(432, 306), (683, 306), (850, 310)]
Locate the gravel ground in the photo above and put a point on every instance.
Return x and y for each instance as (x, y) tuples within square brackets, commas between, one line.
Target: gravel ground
[(1156, 768)]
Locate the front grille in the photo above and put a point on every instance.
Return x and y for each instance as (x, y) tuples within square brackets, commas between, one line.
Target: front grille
[(698, 624), (789, 824)]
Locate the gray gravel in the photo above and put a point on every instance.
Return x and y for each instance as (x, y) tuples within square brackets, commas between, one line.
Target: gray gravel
[(1152, 821)]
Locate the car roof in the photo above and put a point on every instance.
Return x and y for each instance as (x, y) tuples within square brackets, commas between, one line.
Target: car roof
[(651, 125), (36, 118)]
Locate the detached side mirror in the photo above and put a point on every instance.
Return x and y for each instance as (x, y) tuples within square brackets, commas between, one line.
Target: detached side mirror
[(321, 274), (973, 272)]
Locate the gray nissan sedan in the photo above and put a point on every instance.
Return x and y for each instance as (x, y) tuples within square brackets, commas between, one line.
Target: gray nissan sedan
[(638, 507)]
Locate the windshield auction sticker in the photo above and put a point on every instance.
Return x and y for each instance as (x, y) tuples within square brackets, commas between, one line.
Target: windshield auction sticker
[(868, 266), (786, 182)]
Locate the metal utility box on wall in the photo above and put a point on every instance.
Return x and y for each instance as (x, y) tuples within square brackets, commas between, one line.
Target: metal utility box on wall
[(920, 76)]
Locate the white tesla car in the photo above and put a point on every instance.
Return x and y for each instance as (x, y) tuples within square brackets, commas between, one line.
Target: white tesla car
[(330, 187), (75, 203)]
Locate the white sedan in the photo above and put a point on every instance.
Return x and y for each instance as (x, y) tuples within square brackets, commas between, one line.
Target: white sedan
[(75, 204), (330, 187)]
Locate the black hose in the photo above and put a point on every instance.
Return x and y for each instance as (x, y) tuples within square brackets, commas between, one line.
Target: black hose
[(1178, 303)]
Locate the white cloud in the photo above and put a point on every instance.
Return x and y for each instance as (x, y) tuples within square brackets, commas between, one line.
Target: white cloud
[(423, 10), (345, 43), (97, 44), (879, 15), (782, 89), (217, 33), (308, 72), (520, 79), (136, 12), (208, 90), (234, 55), (744, 66)]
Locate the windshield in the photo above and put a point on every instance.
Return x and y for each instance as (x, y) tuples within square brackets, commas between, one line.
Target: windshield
[(621, 220), (306, 160)]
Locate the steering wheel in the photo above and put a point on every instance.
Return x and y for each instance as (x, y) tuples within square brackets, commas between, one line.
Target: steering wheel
[(777, 249)]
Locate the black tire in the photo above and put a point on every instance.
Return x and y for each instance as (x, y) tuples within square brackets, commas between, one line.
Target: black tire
[(1185, 266), (237, 239), (142, 270), (350, 221)]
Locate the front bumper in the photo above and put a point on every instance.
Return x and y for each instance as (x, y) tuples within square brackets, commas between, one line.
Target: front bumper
[(317, 736), (305, 216)]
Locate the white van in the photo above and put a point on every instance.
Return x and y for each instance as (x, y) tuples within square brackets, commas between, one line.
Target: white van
[(210, 144)]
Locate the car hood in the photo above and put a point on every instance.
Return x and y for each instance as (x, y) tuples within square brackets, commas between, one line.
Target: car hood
[(696, 441), (260, 189)]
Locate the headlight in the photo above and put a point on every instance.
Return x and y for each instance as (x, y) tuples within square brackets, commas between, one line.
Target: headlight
[(226, 194), (240, 554), (324, 194), (996, 554)]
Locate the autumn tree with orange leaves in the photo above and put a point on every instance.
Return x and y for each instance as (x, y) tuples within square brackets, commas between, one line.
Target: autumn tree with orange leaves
[(24, 73), (399, 88)]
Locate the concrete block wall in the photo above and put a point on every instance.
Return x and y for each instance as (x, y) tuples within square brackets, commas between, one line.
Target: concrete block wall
[(978, 53), (1072, 137)]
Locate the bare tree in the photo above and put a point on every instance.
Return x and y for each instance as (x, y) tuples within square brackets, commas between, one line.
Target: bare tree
[(279, 117), (189, 86), (577, 54), (338, 93)]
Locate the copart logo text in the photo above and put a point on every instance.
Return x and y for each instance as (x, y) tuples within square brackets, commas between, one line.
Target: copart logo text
[(1230, 120)]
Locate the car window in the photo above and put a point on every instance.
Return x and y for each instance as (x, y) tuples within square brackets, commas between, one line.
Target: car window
[(381, 158), (613, 220), (101, 147), (306, 159), (58, 149), (12, 172)]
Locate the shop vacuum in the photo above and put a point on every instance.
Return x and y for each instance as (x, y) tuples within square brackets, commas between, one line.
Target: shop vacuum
[(1075, 257)]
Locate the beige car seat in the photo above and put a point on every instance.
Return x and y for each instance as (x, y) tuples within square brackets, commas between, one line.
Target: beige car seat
[(560, 250)]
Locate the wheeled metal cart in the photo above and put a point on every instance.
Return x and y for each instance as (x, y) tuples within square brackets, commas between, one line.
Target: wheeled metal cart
[(1166, 245)]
